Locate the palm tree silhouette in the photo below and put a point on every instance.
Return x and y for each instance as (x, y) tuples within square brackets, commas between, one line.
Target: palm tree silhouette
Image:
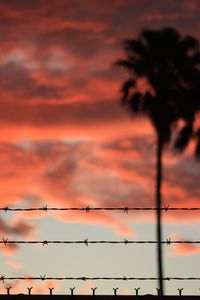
[(167, 64)]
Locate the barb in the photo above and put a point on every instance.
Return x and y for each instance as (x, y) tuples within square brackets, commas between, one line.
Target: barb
[(88, 209), (43, 277), (98, 278), (86, 242)]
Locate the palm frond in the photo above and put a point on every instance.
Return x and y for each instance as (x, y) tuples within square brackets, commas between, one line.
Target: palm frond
[(195, 59), (171, 36), (125, 64), (150, 37), (135, 47), (183, 138), (125, 89), (197, 150), (189, 43), (135, 103)]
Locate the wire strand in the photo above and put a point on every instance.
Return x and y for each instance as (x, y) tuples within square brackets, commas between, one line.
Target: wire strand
[(87, 242), (124, 278), (87, 209)]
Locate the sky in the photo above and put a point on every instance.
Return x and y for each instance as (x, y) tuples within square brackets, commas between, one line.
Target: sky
[(66, 142)]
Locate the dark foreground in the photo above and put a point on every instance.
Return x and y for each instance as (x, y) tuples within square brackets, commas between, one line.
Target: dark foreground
[(99, 297)]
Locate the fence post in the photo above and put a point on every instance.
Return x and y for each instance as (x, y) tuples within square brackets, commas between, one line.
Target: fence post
[(180, 291), (51, 291), (158, 291), (29, 290), (8, 290), (115, 291), (137, 291), (93, 291), (72, 291)]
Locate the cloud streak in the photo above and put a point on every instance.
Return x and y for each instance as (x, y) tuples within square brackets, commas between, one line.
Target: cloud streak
[(184, 249)]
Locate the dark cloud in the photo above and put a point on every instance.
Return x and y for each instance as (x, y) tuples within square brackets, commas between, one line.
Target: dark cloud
[(20, 228), (19, 85), (61, 114), (56, 76), (63, 50), (10, 230)]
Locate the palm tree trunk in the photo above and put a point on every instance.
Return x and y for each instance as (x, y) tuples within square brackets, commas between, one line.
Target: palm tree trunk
[(158, 213)]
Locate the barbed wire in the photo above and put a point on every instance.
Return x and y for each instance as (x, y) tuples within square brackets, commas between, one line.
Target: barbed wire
[(86, 242), (168, 241), (87, 209), (124, 278)]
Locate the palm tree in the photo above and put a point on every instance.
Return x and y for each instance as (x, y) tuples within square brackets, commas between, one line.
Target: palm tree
[(167, 63)]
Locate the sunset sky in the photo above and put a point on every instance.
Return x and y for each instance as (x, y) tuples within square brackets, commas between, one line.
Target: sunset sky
[(65, 141)]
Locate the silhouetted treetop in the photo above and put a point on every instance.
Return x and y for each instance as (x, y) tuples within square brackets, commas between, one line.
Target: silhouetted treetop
[(169, 63)]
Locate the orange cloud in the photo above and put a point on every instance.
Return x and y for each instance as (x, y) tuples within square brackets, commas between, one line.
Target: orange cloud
[(19, 287), (43, 288), (14, 264), (82, 173), (86, 288), (184, 249), (9, 249)]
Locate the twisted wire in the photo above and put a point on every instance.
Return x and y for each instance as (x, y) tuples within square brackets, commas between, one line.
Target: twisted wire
[(124, 278), (87, 242), (87, 209)]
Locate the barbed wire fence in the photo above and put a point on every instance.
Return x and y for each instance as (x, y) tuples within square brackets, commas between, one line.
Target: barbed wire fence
[(86, 242), (88, 209)]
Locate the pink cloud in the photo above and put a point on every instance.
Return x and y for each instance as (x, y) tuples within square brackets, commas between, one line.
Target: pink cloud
[(14, 264), (184, 249), (163, 16), (84, 173), (43, 288), (86, 288), (19, 287), (9, 249)]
